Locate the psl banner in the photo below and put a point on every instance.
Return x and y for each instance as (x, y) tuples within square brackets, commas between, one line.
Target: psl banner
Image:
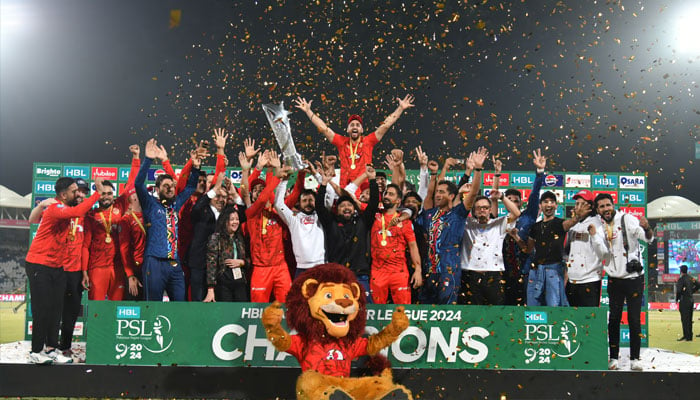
[(230, 334)]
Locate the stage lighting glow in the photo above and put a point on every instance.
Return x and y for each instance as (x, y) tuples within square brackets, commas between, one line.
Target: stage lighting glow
[(13, 15), (688, 31)]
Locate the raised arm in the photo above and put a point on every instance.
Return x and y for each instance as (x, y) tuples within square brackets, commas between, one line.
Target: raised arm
[(305, 106), (497, 165), (405, 103), (395, 163), (423, 175), (478, 158), (432, 185), (245, 170)]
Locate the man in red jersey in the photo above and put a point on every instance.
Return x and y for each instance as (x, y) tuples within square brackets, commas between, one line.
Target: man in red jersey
[(388, 243), (354, 150), (101, 257), (132, 242), (265, 230), (44, 266)]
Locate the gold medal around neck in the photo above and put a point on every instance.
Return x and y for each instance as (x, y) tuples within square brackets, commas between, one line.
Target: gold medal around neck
[(353, 166), (383, 242), (264, 231), (108, 239)]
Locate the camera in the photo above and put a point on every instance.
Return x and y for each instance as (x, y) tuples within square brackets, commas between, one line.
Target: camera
[(634, 266)]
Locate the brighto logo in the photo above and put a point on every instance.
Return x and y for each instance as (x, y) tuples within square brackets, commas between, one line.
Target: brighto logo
[(561, 338), (154, 334), (48, 171)]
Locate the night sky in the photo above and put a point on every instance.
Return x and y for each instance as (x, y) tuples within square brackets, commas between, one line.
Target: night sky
[(598, 85)]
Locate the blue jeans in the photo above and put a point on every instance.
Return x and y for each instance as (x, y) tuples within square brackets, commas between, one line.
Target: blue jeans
[(364, 282), (441, 287), (545, 286), (162, 274)]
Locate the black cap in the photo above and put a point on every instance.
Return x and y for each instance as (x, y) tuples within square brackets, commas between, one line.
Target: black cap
[(82, 184), (548, 195)]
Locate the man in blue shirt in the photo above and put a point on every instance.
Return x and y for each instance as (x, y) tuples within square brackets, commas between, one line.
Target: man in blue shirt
[(161, 263), (445, 227)]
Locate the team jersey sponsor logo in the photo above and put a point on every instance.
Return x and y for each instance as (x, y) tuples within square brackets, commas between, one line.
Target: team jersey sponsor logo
[(578, 181), (632, 182), (108, 173)]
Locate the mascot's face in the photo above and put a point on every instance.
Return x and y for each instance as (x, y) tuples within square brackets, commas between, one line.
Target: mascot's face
[(334, 304)]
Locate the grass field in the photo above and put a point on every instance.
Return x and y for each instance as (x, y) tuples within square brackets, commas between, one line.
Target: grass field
[(664, 328)]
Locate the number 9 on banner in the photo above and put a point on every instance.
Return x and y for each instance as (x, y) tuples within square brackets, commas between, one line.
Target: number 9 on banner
[(121, 349), (530, 354)]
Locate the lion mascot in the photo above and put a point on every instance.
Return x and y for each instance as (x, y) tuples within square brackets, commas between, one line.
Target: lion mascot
[(326, 306)]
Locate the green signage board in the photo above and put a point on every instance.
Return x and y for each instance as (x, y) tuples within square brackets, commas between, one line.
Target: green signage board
[(230, 334)]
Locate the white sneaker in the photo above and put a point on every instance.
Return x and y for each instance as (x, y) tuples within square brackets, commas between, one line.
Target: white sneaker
[(58, 357), (612, 364), (39, 358), (636, 365)]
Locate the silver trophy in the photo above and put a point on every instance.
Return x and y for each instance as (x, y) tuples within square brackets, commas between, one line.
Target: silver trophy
[(277, 117)]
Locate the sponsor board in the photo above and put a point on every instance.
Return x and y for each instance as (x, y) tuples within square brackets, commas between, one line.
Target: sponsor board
[(570, 196), (612, 194), (12, 297), (77, 171), (44, 187), (503, 180), (578, 181), (47, 171), (636, 211), (606, 181), (520, 179), (154, 173), (632, 182), (552, 180), (108, 173), (500, 337), (124, 174), (487, 192), (636, 197), (669, 306)]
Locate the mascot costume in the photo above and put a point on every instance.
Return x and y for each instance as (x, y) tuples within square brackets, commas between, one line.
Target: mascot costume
[(326, 306)]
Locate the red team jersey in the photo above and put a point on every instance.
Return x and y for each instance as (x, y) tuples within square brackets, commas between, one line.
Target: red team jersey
[(48, 247), (266, 245), (74, 245), (362, 152), (392, 257), (332, 359), (132, 241)]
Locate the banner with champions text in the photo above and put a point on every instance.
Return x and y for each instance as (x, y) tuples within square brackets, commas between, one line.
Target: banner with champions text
[(231, 334)]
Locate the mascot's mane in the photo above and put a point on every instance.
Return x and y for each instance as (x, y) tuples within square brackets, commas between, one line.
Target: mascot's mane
[(299, 317)]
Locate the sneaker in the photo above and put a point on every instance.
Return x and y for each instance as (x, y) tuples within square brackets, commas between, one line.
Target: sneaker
[(612, 364), (636, 365), (58, 357), (39, 358)]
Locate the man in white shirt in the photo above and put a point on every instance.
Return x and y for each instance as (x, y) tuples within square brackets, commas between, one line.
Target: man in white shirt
[(617, 245), (481, 257), (305, 229), (584, 268)]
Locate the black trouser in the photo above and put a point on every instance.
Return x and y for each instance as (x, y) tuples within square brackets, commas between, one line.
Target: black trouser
[(619, 292), (71, 307), (686, 309), (482, 288), (515, 289), (46, 286), (229, 289), (198, 284), (583, 294)]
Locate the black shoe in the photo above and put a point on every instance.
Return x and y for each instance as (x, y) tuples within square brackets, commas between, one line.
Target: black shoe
[(698, 335)]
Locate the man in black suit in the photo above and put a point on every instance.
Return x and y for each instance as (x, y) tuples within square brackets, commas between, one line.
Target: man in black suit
[(685, 288), (204, 214)]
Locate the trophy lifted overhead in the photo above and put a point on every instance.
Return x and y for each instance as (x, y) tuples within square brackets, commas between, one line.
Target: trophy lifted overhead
[(277, 117)]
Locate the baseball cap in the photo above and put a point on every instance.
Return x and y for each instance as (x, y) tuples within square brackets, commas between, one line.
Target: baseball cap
[(355, 117), (82, 184), (585, 195), (257, 181), (548, 195)]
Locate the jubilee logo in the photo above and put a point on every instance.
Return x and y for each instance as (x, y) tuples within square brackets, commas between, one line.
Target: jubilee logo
[(108, 173)]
